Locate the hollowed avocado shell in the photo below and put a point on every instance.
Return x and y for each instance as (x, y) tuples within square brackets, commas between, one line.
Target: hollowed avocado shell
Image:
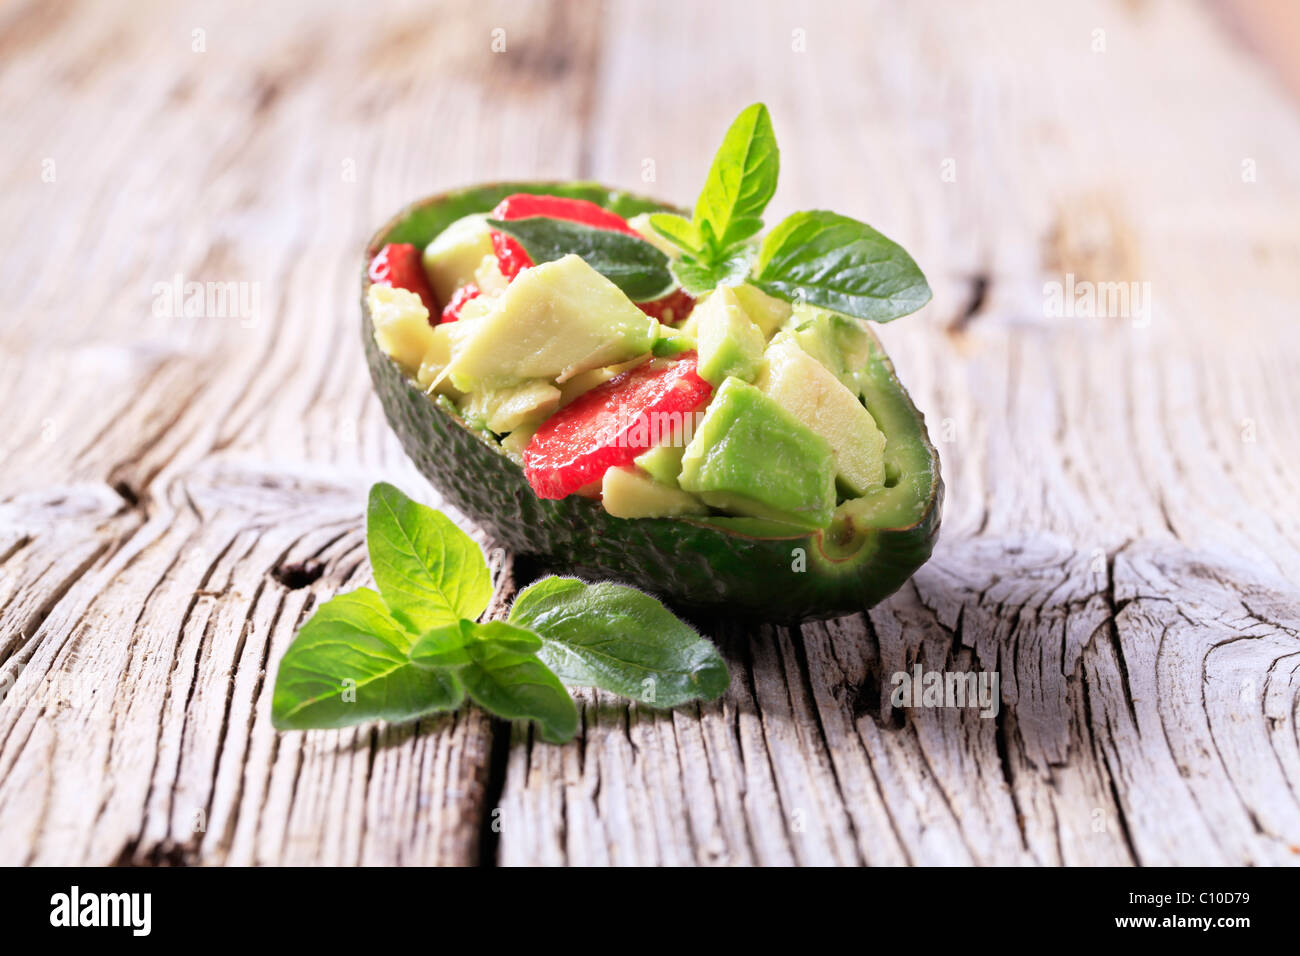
[(743, 567)]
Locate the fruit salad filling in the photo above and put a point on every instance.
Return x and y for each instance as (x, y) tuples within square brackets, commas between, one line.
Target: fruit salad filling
[(668, 366), (734, 403)]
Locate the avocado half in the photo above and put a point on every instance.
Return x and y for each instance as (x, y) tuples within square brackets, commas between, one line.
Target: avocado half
[(743, 566)]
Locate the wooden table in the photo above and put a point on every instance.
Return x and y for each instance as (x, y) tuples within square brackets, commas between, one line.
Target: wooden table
[(1121, 532)]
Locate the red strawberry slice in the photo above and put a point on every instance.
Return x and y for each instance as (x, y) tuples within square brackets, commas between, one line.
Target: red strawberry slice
[(458, 299), (612, 424), (511, 255), (398, 265)]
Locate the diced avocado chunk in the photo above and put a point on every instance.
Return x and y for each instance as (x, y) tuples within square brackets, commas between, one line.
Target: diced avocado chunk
[(729, 343), (401, 324), (475, 308), (553, 321), (505, 409), (750, 456), (673, 342), (454, 254), (515, 443), (438, 355), (663, 463), (765, 311), (837, 342), (691, 327), (631, 493), (489, 277), (810, 392), (584, 382)]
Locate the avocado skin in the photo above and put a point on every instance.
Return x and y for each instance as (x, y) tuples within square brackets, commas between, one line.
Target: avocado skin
[(687, 562)]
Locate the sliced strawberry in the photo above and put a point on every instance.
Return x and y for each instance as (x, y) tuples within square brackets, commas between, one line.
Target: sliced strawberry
[(511, 255), (458, 299), (679, 301), (398, 264), (511, 258), (612, 424)]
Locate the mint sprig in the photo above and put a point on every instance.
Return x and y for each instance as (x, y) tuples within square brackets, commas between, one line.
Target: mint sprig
[(414, 647), (715, 240), (817, 257), (740, 183)]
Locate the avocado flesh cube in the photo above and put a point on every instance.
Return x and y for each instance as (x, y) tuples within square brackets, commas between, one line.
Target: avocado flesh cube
[(663, 463), (765, 311), (553, 321), (489, 278), (838, 343), (673, 342), (505, 409), (729, 343), (631, 493), (810, 392), (401, 324), (582, 383), (750, 456), (454, 254), (438, 355), (515, 443)]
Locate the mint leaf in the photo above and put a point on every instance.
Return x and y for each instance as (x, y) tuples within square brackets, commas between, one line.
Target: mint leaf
[(429, 571), (498, 665), (695, 277), (740, 183), (698, 278), (678, 230), (349, 664), (620, 640), (442, 647), (840, 264), (449, 646), (631, 263)]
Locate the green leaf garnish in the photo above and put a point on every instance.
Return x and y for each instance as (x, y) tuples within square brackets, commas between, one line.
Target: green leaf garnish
[(428, 570), (698, 278), (740, 183), (678, 230), (413, 649), (817, 257), (499, 667), (631, 263), (349, 664), (841, 264), (620, 640)]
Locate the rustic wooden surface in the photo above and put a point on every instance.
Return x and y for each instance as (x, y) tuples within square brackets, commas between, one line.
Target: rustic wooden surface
[(1121, 531)]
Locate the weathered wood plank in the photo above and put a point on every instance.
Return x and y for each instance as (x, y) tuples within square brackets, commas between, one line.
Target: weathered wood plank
[(1075, 450), (164, 469), (1120, 546)]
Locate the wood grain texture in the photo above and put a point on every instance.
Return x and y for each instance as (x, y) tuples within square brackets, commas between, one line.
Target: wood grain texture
[(1120, 539)]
